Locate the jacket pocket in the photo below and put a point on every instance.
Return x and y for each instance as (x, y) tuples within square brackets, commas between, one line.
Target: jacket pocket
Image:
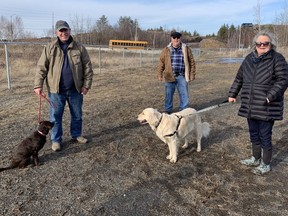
[(76, 58)]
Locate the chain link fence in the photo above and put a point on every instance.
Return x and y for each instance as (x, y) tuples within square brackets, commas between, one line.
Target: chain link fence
[(18, 60)]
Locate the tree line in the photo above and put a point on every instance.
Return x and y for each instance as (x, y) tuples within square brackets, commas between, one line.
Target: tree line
[(100, 32), (96, 33)]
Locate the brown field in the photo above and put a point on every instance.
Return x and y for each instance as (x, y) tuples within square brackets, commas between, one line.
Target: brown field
[(123, 169)]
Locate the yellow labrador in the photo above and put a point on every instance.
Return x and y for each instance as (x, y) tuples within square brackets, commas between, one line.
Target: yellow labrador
[(174, 128)]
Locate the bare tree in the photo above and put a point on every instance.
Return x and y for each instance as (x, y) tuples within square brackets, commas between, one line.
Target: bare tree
[(77, 27), (137, 29), (104, 30), (17, 28), (12, 28), (257, 14), (281, 27), (3, 23), (125, 28), (88, 30), (49, 33)]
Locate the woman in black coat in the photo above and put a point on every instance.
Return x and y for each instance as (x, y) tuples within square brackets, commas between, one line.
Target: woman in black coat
[(263, 79)]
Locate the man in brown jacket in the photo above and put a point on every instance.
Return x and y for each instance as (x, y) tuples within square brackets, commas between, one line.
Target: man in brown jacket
[(66, 68), (177, 65)]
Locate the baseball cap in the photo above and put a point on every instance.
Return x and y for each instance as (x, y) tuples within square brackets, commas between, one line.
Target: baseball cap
[(61, 24), (176, 34)]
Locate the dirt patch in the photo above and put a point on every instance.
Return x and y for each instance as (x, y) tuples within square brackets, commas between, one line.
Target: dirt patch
[(212, 43), (123, 169)]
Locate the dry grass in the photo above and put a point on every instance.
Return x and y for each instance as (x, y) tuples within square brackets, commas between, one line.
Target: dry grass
[(123, 169)]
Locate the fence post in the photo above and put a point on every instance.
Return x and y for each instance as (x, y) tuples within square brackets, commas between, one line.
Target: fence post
[(7, 66), (140, 58), (153, 60), (123, 58), (99, 59)]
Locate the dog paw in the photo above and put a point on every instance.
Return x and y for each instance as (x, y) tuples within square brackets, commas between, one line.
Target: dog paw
[(169, 157), (198, 150), (173, 160), (185, 146)]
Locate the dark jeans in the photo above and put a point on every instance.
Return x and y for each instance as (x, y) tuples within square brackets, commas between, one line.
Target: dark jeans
[(182, 88), (261, 133), (75, 102)]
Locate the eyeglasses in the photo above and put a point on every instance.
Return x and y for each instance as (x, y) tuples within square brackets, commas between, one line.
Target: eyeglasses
[(175, 37), (63, 30), (265, 44)]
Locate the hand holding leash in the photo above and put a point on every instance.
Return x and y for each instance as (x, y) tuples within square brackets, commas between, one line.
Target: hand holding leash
[(41, 94), (231, 100), (38, 91)]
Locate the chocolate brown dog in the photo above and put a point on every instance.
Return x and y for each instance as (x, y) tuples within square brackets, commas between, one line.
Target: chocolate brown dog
[(30, 147)]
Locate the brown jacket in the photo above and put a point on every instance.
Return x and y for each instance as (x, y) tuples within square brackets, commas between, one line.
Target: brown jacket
[(165, 67), (50, 64)]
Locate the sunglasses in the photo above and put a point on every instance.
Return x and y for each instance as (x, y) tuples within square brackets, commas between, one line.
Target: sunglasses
[(265, 44), (63, 30), (175, 37)]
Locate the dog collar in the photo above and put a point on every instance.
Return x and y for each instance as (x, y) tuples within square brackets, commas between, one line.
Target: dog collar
[(159, 121), (41, 133)]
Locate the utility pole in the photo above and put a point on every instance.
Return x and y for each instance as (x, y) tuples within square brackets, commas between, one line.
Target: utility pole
[(53, 30), (11, 26), (244, 26), (240, 37), (136, 30)]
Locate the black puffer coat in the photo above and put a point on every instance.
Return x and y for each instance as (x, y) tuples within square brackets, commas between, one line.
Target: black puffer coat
[(267, 78)]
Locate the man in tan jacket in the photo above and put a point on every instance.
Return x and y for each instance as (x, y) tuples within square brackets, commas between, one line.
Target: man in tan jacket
[(66, 68), (177, 66)]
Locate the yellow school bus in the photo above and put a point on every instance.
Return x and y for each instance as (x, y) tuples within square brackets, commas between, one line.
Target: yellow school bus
[(127, 44)]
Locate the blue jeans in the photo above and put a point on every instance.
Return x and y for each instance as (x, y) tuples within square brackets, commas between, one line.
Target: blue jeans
[(75, 102), (182, 88), (261, 133)]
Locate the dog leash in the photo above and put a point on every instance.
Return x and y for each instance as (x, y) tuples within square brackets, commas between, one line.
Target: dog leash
[(42, 95), (224, 103)]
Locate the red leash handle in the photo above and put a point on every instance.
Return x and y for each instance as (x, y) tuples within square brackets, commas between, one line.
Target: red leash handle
[(39, 111), (50, 102), (42, 95)]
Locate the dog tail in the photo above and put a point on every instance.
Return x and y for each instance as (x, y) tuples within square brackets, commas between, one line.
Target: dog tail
[(6, 168), (205, 127)]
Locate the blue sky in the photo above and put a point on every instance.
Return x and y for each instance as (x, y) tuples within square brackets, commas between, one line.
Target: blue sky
[(204, 16)]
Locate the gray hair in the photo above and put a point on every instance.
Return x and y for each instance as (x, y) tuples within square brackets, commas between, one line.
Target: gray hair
[(268, 34)]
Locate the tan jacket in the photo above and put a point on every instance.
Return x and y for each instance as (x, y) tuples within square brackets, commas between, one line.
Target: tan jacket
[(50, 64), (165, 67)]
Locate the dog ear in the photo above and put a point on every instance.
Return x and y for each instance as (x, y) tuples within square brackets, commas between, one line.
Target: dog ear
[(52, 124), (43, 127)]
